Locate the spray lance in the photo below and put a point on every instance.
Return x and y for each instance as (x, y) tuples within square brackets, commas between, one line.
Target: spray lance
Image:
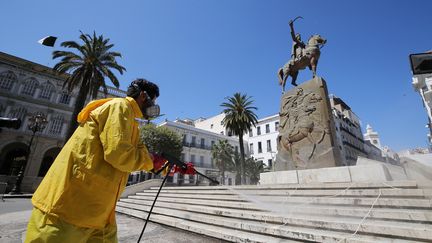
[(175, 165)]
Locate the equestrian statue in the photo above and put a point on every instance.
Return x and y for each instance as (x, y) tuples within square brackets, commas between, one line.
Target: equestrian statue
[(302, 56)]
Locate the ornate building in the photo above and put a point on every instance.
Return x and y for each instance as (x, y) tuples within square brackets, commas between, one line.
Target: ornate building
[(26, 89)]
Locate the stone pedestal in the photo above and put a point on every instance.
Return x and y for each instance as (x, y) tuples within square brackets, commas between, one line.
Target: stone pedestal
[(365, 171), (306, 134)]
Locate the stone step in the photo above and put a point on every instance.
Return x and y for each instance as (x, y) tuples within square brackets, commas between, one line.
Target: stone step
[(376, 213), (286, 229), (356, 201), (335, 185), (370, 226), (412, 193), (218, 232)]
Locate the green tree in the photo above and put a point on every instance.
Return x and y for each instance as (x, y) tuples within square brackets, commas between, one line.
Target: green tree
[(222, 153), (88, 66), (253, 169), (239, 118), (161, 139)]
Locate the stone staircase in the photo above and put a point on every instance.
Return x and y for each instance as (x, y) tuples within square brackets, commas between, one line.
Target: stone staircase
[(395, 211)]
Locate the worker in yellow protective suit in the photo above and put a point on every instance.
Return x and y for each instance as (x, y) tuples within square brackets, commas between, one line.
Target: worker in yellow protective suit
[(76, 200)]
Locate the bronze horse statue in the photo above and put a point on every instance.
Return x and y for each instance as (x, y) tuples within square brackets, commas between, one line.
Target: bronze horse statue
[(309, 58)]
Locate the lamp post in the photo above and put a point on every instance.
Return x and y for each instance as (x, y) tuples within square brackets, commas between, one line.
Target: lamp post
[(37, 123)]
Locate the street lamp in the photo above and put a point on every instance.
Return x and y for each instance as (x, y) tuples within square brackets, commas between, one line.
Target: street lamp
[(37, 123)]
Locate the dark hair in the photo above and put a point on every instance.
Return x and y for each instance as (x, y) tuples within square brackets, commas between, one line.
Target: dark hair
[(141, 84)]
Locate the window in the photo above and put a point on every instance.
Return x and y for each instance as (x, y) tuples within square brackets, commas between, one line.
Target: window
[(269, 149), (193, 158), (46, 91), (259, 147), (258, 130), (30, 87), (65, 98), (222, 133), (276, 126), (250, 133), (211, 126), (2, 109), (202, 142), (56, 125), (19, 112), (7, 79), (251, 148), (212, 143), (267, 128), (184, 138), (229, 133), (201, 161), (193, 141), (270, 163)]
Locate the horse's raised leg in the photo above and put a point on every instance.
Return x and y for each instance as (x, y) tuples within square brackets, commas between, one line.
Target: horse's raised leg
[(294, 78), (282, 78), (314, 62)]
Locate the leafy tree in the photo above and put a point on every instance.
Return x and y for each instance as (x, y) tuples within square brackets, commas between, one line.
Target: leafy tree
[(222, 153), (161, 139), (253, 169), (88, 66), (239, 118)]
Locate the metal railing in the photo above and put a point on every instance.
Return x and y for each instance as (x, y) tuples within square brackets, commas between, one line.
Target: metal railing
[(196, 145)]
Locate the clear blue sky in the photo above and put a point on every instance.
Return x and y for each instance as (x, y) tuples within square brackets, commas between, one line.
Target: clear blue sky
[(201, 51)]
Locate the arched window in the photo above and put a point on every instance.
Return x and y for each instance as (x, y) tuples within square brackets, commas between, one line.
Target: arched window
[(7, 79), (47, 91), (47, 160), (18, 112), (30, 86), (56, 125)]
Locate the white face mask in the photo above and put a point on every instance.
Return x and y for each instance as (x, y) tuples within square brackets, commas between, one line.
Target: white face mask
[(151, 111)]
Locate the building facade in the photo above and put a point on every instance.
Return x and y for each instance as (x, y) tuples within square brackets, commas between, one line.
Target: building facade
[(422, 83), (26, 89), (348, 132), (262, 140), (197, 148), (373, 143)]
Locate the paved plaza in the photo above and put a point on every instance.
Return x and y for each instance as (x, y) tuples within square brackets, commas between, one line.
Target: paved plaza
[(15, 212)]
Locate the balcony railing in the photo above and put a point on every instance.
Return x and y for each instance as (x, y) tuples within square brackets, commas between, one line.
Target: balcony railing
[(195, 145)]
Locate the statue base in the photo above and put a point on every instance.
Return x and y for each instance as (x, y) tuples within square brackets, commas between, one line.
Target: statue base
[(307, 133)]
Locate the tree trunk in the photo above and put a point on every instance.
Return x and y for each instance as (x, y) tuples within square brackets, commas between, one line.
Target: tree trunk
[(238, 173), (78, 106), (223, 172), (242, 158)]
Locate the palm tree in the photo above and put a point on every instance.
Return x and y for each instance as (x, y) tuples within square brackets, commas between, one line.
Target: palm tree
[(253, 169), (239, 118), (222, 153), (87, 67)]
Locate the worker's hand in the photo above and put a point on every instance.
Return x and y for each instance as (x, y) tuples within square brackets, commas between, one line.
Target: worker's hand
[(188, 170), (158, 162)]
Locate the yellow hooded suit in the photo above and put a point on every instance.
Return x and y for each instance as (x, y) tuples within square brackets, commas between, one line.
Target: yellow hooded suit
[(90, 173)]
